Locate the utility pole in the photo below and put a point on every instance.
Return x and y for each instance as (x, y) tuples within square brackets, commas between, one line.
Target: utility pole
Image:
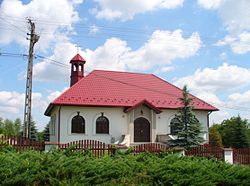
[(28, 95)]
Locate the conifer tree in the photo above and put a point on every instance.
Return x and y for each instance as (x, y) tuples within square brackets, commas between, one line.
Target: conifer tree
[(187, 126), (33, 130)]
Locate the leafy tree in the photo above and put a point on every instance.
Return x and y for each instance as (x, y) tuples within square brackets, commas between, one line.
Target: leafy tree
[(187, 126), (8, 129), (214, 136), (234, 132)]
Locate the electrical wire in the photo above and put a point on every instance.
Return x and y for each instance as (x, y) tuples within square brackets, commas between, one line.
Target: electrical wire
[(60, 64)]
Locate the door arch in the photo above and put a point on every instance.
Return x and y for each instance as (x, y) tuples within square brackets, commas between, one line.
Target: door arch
[(141, 130)]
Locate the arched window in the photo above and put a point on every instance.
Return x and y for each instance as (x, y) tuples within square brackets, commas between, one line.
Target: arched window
[(75, 67), (102, 125), (174, 124), (80, 67), (78, 124)]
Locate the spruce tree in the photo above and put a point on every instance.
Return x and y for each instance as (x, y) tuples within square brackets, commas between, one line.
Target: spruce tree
[(33, 130), (187, 126)]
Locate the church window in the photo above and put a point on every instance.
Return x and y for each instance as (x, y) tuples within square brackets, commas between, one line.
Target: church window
[(102, 125), (78, 124)]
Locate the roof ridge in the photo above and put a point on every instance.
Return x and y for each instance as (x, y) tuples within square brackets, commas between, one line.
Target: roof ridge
[(140, 73)]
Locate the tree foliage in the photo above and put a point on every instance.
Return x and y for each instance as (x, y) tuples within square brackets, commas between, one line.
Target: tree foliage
[(215, 137), (10, 128), (234, 132), (187, 126)]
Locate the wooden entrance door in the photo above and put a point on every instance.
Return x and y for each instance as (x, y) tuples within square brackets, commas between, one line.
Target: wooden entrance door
[(141, 130)]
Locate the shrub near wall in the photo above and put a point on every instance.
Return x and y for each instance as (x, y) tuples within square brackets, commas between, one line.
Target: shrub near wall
[(80, 168)]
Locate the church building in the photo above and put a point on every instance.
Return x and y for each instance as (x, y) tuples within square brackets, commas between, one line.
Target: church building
[(118, 107)]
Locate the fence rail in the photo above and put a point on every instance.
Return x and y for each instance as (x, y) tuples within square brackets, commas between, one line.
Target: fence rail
[(206, 150), (21, 143), (97, 148), (150, 147), (241, 156)]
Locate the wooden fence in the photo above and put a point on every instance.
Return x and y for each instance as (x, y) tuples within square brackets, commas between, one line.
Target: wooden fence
[(100, 149), (150, 147), (97, 148), (21, 143), (206, 150), (241, 156)]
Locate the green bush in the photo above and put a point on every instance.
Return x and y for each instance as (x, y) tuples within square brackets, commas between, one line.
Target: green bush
[(80, 168)]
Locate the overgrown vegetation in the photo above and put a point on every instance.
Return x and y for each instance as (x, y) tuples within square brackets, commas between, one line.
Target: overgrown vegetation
[(80, 168), (234, 133)]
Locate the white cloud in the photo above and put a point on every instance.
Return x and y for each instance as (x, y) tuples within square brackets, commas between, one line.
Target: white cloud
[(165, 69), (239, 43), (45, 13), (235, 17), (53, 95), (125, 10), (218, 117), (160, 50), (225, 77), (210, 4), (240, 98), (58, 68), (12, 103), (209, 84)]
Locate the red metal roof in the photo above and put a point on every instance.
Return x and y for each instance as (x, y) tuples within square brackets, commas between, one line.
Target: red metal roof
[(124, 89), (77, 57)]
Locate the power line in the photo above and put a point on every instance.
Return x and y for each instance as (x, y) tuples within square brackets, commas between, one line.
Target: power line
[(12, 54), (121, 31), (53, 61), (60, 64)]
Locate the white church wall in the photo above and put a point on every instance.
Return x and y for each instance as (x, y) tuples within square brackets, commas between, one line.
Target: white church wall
[(164, 118), (117, 123), (54, 128)]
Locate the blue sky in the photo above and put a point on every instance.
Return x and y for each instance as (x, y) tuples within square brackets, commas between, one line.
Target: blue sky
[(202, 43)]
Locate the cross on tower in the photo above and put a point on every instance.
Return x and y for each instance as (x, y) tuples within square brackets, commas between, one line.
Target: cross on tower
[(77, 48)]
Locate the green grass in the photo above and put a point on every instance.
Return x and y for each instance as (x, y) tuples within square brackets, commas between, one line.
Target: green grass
[(80, 168)]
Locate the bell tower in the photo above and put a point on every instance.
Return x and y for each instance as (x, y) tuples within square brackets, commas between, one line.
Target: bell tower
[(77, 69)]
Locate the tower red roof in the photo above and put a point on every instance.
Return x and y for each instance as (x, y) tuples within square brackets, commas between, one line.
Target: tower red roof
[(77, 57), (124, 89)]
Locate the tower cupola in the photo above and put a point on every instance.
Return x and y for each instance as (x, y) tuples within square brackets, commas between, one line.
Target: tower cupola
[(77, 69)]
